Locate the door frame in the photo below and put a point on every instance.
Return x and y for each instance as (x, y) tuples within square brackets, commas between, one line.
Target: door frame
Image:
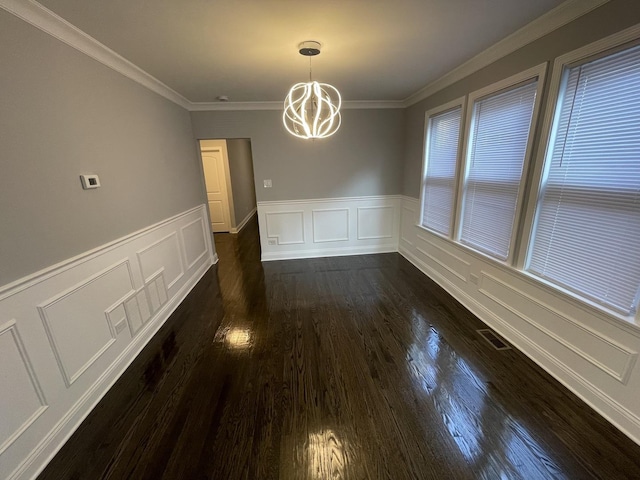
[(215, 145)]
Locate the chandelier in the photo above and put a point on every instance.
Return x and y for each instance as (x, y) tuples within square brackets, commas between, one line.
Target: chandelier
[(312, 109)]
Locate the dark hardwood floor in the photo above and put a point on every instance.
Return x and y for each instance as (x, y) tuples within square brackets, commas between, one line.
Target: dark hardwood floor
[(347, 367)]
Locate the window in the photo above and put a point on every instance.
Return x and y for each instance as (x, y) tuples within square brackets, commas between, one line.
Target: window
[(586, 234), (441, 158), (497, 147)]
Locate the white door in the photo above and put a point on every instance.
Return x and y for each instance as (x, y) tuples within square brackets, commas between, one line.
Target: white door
[(215, 180)]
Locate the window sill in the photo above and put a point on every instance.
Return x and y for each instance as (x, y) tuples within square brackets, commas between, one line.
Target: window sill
[(629, 323)]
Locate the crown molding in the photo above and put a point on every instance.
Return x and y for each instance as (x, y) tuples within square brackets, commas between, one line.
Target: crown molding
[(232, 106), (547, 23), (372, 104), (44, 19), (240, 106)]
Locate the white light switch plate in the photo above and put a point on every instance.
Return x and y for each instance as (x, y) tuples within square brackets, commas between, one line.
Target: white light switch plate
[(267, 183)]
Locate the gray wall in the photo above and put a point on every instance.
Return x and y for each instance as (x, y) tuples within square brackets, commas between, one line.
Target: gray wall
[(63, 114), (605, 20), (242, 181), (363, 158)]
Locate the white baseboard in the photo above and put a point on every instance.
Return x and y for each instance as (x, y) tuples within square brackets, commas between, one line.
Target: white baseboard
[(244, 222), (333, 252), (62, 365)]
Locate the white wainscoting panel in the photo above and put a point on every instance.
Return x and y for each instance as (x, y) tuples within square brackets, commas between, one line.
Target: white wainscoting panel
[(328, 227), (285, 228), (137, 310), (75, 321), (22, 400), (410, 213), (154, 257), (65, 339), (117, 317), (592, 352), (449, 262), (194, 240), (376, 222), (604, 353), (157, 294)]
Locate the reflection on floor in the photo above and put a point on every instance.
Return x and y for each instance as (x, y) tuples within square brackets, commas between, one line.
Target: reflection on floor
[(348, 367)]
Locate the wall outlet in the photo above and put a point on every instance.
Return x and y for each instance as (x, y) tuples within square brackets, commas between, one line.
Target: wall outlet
[(267, 183), (272, 241)]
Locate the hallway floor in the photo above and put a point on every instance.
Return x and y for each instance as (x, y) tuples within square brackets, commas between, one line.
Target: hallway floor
[(346, 367)]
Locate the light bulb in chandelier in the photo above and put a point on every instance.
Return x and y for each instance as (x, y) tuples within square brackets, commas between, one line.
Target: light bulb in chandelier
[(312, 109)]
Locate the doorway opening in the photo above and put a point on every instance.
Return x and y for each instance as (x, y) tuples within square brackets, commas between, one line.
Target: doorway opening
[(227, 165)]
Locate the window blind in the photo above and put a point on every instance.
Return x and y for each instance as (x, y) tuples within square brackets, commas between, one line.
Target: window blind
[(498, 143), (587, 229), (443, 133)]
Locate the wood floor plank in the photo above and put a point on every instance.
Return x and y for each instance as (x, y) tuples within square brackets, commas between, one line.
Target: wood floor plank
[(334, 368)]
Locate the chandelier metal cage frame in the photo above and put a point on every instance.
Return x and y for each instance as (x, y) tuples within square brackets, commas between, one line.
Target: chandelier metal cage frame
[(312, 109)]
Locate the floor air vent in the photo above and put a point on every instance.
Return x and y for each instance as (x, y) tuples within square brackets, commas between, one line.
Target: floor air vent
[(493, 338)]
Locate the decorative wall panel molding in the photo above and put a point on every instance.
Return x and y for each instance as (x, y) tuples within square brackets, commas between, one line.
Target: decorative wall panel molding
[(80, 324), (286, 228), (193, 239), (75, 322), (137, 310), (154, 257), (409, 220), (156, 292), (117, 317), (448, 261), (22, 400), (329, 226), (591, 353), (602, 352), (375, 222)]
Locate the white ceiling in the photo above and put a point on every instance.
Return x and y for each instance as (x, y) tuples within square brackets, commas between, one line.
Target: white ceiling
[(247, 49)]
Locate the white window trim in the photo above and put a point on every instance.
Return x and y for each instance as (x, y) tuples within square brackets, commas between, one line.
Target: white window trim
[(568, 59), (458, 102), (538, 72)]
